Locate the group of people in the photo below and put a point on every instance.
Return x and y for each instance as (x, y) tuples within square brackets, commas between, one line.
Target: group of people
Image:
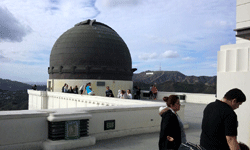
[(219, 124), (67, 89), (82, 89), (124, 95), (109, 93)]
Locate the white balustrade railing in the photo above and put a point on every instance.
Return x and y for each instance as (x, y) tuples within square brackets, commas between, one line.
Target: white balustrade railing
[(53, 100)]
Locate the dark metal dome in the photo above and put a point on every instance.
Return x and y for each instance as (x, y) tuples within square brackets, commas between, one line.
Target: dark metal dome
[(90, 50)]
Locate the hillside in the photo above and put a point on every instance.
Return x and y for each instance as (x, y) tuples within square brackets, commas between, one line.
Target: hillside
[(159, 77), (9, 85), (174, 81), (13, 94)]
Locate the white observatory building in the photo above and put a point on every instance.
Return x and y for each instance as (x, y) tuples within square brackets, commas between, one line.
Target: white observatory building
[(233, 70)]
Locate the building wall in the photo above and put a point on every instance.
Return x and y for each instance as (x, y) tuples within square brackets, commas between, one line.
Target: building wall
[(28, 129), (133, 121), (198, 98), (23, 130), (242, 17), (233, 71), (115, 85)]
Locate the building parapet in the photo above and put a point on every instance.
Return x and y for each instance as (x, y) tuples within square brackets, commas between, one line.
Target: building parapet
[(198, 98), (84, 118), (38, 129), (53, 100)]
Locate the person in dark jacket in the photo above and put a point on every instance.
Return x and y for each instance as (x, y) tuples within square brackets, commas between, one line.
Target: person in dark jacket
[(75, 90), (63, 87), (171, 134), (138, 93), (109, 92), (34, 87), (70, 90)]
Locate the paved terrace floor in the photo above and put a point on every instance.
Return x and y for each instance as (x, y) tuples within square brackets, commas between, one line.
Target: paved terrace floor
[(193, 116)]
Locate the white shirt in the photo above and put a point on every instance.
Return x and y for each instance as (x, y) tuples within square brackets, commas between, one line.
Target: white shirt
[(129, 96), (124, 96)]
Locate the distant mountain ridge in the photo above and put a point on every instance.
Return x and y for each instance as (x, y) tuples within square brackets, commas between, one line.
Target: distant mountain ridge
[(166, 81), (6, 84), (9, 85), (159, 77)]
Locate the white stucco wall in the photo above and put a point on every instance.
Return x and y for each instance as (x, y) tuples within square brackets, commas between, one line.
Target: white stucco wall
[(114, 85), (242, 13), (23, 130), (234, 72), (128, 121), (190, 97), (242, 17), (28, 129)]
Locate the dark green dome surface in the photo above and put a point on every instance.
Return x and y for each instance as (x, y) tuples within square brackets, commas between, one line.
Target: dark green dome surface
[(90, 50)]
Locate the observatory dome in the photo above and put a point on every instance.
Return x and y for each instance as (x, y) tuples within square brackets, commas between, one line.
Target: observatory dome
[(90, 50)]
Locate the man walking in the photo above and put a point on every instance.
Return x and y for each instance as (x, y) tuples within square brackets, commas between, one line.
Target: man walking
[(219, 124)]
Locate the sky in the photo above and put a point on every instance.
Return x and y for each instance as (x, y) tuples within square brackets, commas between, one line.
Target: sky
[(167, 35)]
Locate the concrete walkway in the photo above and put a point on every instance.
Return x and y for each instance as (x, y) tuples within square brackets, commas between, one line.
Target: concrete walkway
[(193, 116)]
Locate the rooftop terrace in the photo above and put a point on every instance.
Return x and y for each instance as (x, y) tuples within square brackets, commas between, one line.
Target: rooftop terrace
[(135, 123), (193, 116)]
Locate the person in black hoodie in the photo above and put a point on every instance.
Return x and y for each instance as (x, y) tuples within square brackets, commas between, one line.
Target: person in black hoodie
[(109, 92)]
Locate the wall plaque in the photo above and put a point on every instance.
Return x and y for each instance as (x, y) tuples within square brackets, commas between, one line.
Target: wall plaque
[(72, 130), (100, 83), (109, 125)]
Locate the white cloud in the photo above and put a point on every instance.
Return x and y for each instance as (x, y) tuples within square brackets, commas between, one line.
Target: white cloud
[(11, 29), (147, 56), (120, 3), (48, 21), (188, 58), (170, 54)]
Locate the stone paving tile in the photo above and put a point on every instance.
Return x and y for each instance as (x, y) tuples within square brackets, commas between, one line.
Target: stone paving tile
[(193, 115)]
